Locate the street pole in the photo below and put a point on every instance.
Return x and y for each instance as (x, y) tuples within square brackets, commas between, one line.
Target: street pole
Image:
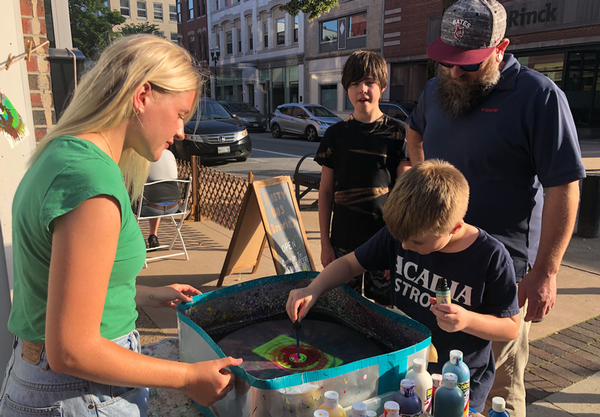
[(215, 54)]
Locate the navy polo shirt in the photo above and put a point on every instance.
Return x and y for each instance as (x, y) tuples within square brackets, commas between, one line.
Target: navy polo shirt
[(521, 139)]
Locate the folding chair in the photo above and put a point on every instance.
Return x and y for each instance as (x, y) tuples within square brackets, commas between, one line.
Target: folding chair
[(185, 186)]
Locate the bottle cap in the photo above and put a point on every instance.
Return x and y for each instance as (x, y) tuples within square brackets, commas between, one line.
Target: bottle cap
[(418, 365), (437, 379), (371, 413), (359, 409), (455, 355), (331, 399), (321, 413), (498, 404), (407, 383), (450, 380), (391, 406)]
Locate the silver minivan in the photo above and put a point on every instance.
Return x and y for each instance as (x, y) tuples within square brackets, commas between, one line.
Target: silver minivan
[(308, 120)]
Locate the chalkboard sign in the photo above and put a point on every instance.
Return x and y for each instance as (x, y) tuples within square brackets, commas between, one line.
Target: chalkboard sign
[(269, 214)]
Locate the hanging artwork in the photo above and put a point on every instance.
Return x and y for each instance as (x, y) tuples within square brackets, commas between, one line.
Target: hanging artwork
[(11, 123)]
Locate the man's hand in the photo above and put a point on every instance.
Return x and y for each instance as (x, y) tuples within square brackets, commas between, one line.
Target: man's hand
[(539, 290)]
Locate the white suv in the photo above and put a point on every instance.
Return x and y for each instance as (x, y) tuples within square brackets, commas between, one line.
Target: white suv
[(308, 120)]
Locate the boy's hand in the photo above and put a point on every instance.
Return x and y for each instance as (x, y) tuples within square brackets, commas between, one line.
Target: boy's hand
[(450, 317), (327, 255), (302, 298)]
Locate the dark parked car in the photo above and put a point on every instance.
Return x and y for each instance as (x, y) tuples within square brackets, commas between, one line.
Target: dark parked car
[(252, 118), (308, 120), (394, 110), (214, 135)]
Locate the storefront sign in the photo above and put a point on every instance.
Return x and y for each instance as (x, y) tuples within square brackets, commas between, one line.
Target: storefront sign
[(528, 16)]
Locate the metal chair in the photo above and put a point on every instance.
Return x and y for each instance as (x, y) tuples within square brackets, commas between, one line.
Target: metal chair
[(185, 186)]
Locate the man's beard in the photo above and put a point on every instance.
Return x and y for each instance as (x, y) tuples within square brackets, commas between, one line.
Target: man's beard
[(460, 99)]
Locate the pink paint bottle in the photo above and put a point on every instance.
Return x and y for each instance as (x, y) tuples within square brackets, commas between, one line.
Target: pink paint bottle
[(391, 409)]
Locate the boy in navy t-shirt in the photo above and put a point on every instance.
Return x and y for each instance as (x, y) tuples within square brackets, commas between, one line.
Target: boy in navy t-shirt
[(426, 239)]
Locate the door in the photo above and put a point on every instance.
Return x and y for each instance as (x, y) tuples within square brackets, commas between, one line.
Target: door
[(299, 120)]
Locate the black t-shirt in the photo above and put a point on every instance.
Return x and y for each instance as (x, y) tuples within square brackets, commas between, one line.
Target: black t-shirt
[(364, 158), (481, 279)]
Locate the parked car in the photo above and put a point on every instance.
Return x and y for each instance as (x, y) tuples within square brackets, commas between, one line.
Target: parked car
[(213, 135), (247, 113), (308, 120), (394, 110)]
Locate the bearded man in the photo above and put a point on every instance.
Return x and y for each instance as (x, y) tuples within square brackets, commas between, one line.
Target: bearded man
[(510, 131)]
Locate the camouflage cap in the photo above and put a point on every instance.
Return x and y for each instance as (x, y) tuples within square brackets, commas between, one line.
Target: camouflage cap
[(471, 29)]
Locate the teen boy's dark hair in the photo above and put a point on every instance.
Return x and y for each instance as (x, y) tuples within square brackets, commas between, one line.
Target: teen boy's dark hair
[(362, 64)]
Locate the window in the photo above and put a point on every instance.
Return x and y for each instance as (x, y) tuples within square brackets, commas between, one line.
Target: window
[(158, 11), (229, 36), (347, 103), (192, 44), (329, 31), (239, 39), (280, 24), (172, 13), (358, 25), (228, 3), (179, 11), (174, 37), (250, 38), (216, 4), (296, 28), (329, 96), (190, 4), (201, 7), (265, 35), (125, 8), (141, 10)]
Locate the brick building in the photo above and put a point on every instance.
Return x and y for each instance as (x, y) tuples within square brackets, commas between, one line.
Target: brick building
[(559, 38)]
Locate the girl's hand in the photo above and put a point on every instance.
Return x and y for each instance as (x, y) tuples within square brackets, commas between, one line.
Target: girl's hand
[(210, 381), (167, 296), (450, 317)]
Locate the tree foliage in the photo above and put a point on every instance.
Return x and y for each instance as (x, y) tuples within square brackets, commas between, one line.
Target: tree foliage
[(92, 25), (312, 8), (145, 27)]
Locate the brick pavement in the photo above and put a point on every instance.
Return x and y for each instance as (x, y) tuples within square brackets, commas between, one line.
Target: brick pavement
[(562, 359)]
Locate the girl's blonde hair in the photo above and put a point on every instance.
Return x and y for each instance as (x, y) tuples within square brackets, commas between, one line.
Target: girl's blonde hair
[(104, 97)]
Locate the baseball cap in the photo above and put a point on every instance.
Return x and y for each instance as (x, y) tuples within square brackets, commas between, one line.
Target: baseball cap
[(471, 29)]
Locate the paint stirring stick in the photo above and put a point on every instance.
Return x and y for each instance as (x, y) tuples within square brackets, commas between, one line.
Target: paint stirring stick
[(297, 327)]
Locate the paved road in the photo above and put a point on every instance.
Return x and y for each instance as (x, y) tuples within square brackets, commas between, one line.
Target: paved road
[(272, 157)]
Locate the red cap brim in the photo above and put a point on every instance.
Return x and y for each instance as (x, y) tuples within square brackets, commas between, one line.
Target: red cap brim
[(442, 52)]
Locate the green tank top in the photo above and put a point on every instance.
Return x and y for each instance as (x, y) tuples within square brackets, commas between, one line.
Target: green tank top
[(69, 171)]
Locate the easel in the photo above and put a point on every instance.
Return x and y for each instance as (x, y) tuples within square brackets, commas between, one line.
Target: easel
[(25, 55)]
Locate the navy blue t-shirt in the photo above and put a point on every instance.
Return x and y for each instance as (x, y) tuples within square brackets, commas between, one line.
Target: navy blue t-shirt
[(481, 279), (520, 139)]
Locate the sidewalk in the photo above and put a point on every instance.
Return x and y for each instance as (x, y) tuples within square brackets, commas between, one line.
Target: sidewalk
[(563, 374)]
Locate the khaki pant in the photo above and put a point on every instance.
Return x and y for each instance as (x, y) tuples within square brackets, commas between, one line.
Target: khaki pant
[(511, 360)]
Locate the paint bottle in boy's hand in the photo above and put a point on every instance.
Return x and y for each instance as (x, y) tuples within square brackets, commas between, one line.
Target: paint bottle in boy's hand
[(331, 405), (410, 403), (442, 292), (498, 408), (448, 400), (461, 370)]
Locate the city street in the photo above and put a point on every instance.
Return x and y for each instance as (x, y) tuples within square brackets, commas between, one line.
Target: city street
[(272, 157)]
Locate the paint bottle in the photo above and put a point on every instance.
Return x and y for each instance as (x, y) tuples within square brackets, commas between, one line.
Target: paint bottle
[(442, 292), (371, 413), (423, 382), (359, 409), (410, 403), (498, 408), (448, 398), (437, 382), (391, 409), (461, 370), (321, 413), (331, 405)]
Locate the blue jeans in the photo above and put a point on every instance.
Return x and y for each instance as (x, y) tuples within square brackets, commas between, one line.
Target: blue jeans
[(36, 390)]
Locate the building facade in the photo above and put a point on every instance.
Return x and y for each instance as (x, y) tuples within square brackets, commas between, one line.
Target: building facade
[(559, 38), (162, 13), (350, 26)]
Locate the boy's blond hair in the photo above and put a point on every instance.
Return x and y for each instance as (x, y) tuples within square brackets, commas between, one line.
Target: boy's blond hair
[(363, 64), (430, 198)]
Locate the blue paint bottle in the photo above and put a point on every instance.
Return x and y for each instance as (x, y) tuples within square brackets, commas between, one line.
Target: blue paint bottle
[(448, 400), (498, 408), (410, 403), (456, 366)]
